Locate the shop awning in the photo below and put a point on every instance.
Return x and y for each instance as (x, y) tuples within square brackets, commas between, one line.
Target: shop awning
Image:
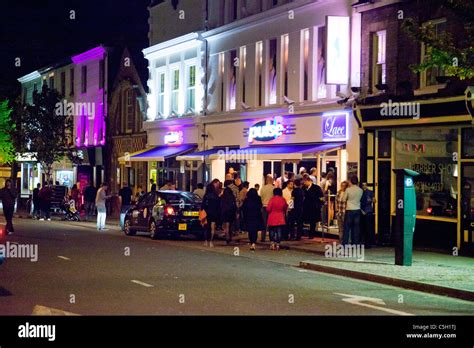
[(203, 155), (158, 153), (285, 152)]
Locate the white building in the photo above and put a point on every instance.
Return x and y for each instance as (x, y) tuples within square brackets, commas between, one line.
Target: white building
[(260, 76)]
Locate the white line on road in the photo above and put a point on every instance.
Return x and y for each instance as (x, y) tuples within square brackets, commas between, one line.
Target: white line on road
[(357, 300), (64, 258), (142, 283), (43, 310)]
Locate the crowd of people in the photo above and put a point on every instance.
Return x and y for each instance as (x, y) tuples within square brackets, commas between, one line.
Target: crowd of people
[(282, 206)]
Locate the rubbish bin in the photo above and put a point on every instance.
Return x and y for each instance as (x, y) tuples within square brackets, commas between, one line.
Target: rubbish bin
[(405, 217)]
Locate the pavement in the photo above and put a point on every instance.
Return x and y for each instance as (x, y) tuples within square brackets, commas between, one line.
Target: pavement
[(434, 273)]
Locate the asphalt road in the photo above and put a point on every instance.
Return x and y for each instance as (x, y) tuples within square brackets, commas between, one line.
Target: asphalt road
[(85, 272)]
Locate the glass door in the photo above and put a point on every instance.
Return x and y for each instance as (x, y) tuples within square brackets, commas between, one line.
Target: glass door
[(467, 208)]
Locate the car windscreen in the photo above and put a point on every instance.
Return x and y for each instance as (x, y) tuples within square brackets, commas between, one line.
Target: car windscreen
[(177, 198)]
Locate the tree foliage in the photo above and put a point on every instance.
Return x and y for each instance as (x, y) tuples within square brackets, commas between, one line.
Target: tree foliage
[(7, 150), (452, 53), (47, 135)]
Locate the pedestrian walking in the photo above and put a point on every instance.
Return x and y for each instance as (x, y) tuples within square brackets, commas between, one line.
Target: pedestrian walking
[(252, 220), (298, 202), (341, 208), (313, 200), (36, 202), (352, 217), (100, 201), (8, 197), (266, 192), (74, 195), (276, 209), (46, 196), (367, 218), (228, 212), (212, 206), (90, 193)]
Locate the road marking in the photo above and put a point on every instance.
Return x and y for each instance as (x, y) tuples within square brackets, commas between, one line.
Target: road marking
[(42, 310), (64, 258), (358, 300), (142, 283)]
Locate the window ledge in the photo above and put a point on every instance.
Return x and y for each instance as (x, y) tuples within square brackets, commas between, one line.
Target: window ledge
[(429, 89)]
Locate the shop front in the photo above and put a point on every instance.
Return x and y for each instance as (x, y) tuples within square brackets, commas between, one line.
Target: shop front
[(438, 144), (256, 145)]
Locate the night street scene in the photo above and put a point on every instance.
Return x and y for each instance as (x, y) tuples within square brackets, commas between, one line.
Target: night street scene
[(276, 159)]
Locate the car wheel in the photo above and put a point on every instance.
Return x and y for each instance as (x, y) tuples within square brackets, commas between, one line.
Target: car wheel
[(153, 230), (127, 228)]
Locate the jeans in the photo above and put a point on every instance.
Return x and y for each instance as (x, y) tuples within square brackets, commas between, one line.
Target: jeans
[(89, 207), (101, 220), (351, 227), (8, 212), (290, 226), (275, 233), (265, 227), (36, 209), (46, 210), (299, 223)]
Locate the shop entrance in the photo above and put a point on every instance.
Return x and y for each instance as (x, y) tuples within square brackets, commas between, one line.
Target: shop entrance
[(467, 208)]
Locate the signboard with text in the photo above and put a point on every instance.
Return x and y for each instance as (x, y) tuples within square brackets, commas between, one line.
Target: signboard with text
[(335, 126)]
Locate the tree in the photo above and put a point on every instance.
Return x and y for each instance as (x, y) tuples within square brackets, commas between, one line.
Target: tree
[(48, 134), (453, 54), (7, 150)]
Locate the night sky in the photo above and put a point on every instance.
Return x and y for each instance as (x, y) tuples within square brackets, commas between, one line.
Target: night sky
[(40, 33)]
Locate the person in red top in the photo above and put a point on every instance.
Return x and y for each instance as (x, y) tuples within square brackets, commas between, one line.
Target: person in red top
[(276, 209)]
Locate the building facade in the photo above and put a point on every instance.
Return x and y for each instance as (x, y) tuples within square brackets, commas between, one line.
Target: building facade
[(420, 121), (259, 86)]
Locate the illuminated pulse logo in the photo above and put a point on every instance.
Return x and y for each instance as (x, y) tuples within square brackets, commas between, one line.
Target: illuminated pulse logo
[(266, 130)]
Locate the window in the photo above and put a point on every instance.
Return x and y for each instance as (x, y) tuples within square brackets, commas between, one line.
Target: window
[(428, 77), (84, 79), (385, 144), (429, 151), (285, 42), (234, 6), (243, 66), (129, 99), (221, 76), (259, 59), (161, 94), (467, 142), (175, 91), (101, 73), (378, 58), (71, 81), (321, 63), (63, 83), (272, 76), (35, 87), (233, 62), (191, 88), (51, 82), (305, 38)]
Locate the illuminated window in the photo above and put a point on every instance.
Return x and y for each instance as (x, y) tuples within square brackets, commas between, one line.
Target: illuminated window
[(243, 65), (221, 77), (259, 60), (233, 79), (175, 90), (129, 109), (285, 42), (379, 40), (321, 63), (305, 38), (272, 76), (161, 94), (191, 88)]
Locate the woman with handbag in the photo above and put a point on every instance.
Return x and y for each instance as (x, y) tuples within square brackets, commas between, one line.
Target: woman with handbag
[(210, 213)]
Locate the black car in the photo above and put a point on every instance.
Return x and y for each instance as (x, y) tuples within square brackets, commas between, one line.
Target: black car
[(164, 213)]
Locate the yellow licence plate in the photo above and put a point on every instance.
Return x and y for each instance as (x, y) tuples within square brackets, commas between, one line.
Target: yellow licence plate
[(182, 227), (191, 213)]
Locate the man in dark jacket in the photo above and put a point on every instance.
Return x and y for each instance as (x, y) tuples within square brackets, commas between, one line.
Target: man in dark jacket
[(46, 196), (297, 211), (312, 204), (8, 196), (36, 202), (90, 193)]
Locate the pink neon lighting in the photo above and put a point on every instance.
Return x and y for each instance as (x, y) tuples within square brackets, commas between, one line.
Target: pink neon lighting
[(94, 53)]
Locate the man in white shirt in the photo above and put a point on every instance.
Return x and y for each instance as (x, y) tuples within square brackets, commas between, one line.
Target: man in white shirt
[(352, 218), (266, 193), (200, 190), (100, 200)]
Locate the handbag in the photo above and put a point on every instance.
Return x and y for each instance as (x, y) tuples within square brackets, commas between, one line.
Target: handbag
[(203, 217)]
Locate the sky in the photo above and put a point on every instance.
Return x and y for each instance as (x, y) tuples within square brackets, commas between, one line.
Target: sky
[(41, 32)]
